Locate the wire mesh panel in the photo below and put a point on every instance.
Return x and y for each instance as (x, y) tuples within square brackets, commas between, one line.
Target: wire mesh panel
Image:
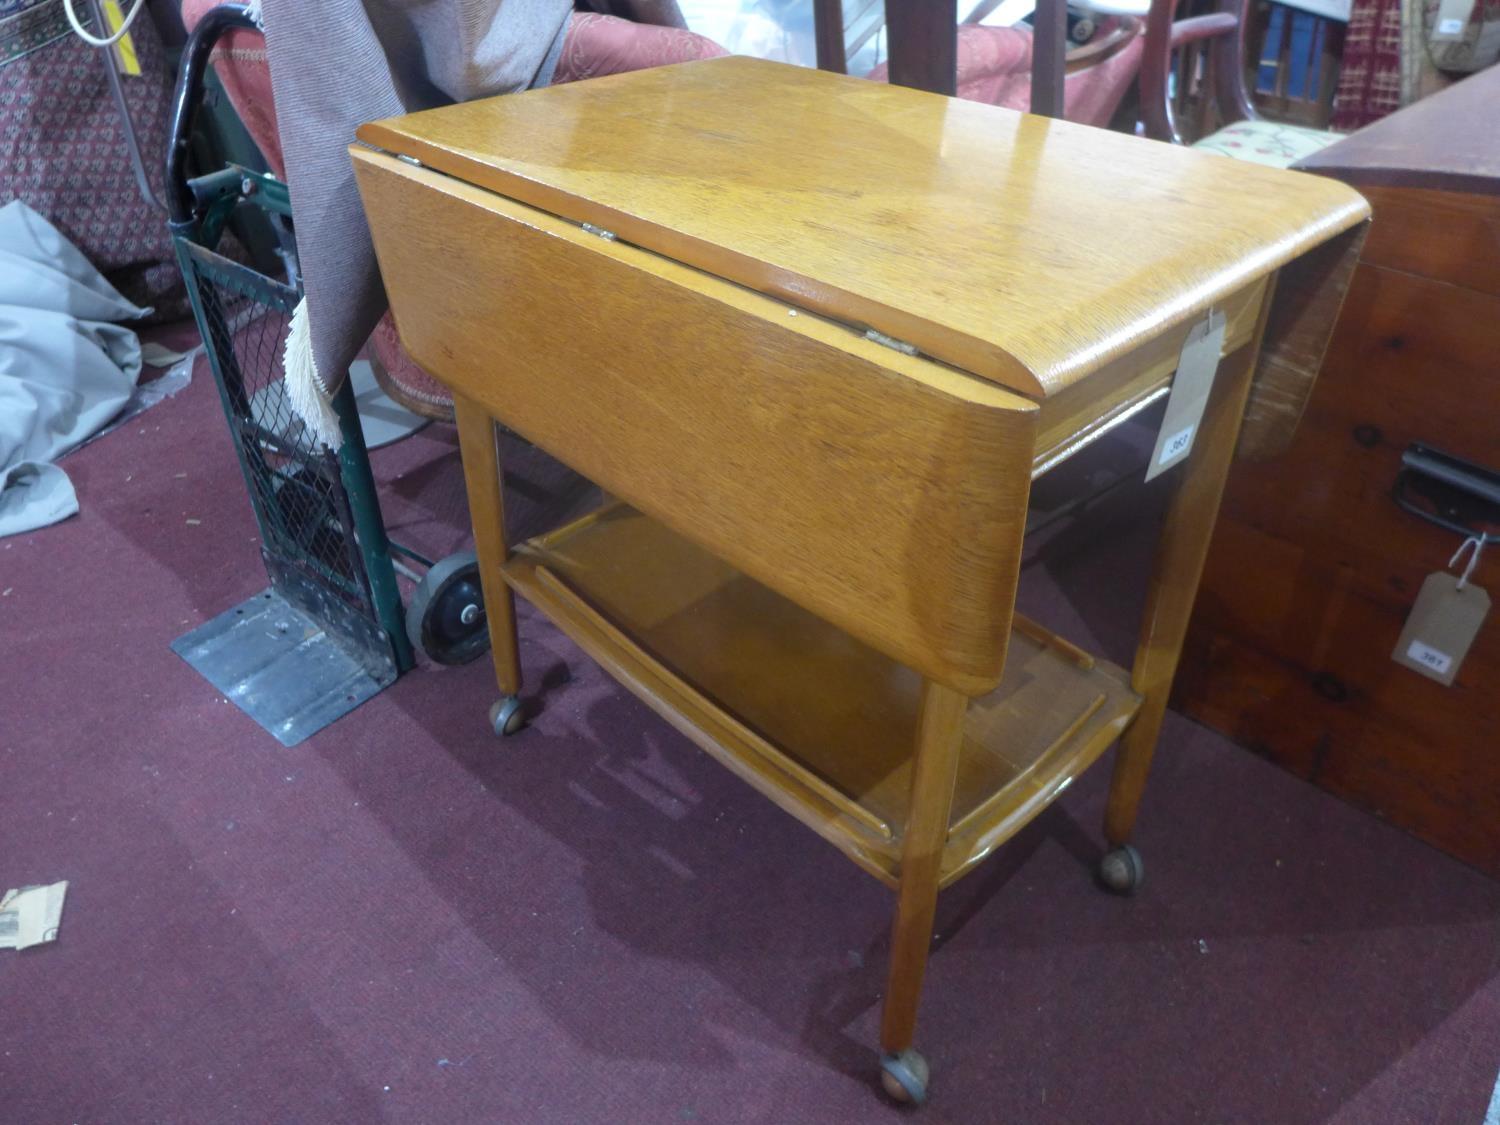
[(294, 482)]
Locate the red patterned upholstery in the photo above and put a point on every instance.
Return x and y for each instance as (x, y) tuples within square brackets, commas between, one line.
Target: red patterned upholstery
[(994, 67), (403, 378), (62, 148), (595, 45)]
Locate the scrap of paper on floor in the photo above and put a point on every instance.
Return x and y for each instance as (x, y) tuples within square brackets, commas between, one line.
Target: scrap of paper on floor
[(31, 915)]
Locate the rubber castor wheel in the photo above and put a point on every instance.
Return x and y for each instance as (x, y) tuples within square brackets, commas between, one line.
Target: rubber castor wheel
[(506, 716), (904, 1077), (1122, 870), (445, 615)]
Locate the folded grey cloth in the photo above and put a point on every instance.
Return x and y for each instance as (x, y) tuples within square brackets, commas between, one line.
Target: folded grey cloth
[(65, 370), (337, 64)]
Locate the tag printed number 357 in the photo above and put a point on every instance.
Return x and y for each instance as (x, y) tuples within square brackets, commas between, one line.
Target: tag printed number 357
[(1176, 444)]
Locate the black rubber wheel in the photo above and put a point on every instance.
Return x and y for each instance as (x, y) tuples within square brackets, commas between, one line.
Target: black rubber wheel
[(445, 614), (1122, 870), (904, 1077)]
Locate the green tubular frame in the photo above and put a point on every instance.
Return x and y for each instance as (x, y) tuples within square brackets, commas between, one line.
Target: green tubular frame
[(218, 195)]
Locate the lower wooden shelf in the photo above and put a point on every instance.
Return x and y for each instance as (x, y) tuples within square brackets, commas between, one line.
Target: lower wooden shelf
[(820, 723)]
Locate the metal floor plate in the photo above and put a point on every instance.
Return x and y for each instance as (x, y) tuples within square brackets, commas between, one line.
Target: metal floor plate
[(280, 667)]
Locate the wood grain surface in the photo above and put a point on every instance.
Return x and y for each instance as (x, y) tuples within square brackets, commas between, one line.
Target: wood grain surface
[(940, 737), (972, 232), (1445, 235), (822, 724), (1446, 142), (1314, 568), (1186, 534), (1310, 292), (882, 491)]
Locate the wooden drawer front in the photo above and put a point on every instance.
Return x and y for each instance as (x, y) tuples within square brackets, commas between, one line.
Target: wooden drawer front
[(885, 493)]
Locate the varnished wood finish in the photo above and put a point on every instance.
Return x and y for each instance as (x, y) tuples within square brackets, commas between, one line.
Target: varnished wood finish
[(1195, 64), (922, 37), (820, 723), (939, 740), (945, 223), (828, 28), (1442, 143), (1077, 414), (485, 482), (1049, 46), (1310, 101), (1309, 294), (827, 489), (1314, 568), (1185, 537), (813, 572), (1450, 236)]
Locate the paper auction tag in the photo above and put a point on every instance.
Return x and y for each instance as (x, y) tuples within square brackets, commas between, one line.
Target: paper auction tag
[(31, 915), (1452, 19), (1442, 625), (1196, 367)]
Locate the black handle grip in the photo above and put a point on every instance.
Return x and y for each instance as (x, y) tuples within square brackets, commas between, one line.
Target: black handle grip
[(1459, 493), (185, 101)]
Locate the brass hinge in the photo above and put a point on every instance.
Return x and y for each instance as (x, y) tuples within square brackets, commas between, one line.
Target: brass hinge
[(891, 342)]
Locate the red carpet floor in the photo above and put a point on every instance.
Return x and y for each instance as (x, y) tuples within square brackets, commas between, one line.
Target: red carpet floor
[(404, 920)]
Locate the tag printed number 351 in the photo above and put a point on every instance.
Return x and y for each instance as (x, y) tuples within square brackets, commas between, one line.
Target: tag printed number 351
[(1176, 444)]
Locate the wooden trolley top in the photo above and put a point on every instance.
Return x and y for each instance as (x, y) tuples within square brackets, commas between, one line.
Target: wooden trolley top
[(1027, 251), (810, 564)]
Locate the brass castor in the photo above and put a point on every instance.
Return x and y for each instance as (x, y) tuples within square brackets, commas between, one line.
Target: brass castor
[(506, 716), (1122, 870), (904, 1077)]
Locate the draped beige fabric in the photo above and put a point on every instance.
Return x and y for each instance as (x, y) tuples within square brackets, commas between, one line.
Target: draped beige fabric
[(338, 63)]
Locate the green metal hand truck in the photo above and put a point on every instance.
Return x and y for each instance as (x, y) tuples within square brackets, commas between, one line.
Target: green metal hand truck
[(331, 631)]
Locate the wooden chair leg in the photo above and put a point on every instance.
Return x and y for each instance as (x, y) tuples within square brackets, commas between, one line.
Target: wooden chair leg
[(1180, 555), (485, 481), (935, 769)]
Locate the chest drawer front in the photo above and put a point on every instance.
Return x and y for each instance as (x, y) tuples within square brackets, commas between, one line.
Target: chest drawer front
[(883, 492)]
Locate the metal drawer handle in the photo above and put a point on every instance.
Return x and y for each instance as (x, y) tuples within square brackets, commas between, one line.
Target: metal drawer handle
[(1459, 495)]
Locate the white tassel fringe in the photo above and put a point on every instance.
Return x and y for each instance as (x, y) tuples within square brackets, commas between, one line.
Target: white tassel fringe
[(305, 391), (252, 9)]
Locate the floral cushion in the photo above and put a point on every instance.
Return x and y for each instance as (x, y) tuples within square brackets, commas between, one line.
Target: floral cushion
[(596, 45), (1267, 142)]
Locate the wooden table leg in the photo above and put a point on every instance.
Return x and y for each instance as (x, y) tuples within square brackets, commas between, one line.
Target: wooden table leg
[(939, 740), (1180, 555), (485, 481), (923, 38), (1049, 47)]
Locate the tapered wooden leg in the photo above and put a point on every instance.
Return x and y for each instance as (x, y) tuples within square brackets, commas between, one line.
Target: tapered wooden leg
[(485, 482), (939, 739), (1180, 555)]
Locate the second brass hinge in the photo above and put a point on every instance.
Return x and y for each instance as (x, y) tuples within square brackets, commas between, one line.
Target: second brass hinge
[(891, 342)]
